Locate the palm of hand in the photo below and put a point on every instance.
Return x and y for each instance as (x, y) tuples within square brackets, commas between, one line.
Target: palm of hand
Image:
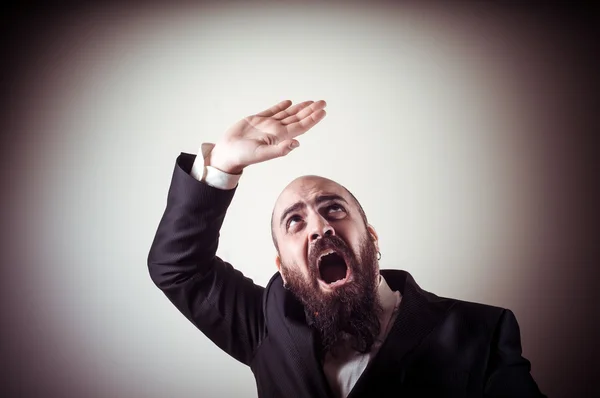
[(268, 134)]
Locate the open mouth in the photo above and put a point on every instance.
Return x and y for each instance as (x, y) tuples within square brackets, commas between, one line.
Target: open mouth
[(332, 268)]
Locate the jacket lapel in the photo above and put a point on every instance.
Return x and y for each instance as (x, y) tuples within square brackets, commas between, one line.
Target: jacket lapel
[(418, 314)]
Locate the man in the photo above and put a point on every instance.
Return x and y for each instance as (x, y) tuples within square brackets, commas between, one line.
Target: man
[(330, 323)]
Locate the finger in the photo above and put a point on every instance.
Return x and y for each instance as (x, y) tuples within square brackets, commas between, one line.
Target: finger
[(304, 112), (275, 108), (267, 152), (302, 126), (292, 111)]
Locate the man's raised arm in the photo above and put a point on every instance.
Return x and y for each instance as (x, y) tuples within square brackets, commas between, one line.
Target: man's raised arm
[(216, 298)]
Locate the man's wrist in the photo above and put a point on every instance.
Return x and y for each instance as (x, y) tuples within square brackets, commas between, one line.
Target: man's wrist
[(214, 159), (209, 174)]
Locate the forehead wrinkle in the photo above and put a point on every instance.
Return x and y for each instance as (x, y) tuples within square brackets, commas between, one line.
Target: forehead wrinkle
[(311, 197), (306, 187)]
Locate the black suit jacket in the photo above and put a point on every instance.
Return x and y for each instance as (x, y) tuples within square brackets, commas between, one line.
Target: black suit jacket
[(437, 347)]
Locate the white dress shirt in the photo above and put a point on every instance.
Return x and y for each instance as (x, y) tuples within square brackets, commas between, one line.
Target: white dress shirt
[(343, 371)]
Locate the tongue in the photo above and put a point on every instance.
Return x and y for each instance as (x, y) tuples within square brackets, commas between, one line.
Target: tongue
[(333, 272)]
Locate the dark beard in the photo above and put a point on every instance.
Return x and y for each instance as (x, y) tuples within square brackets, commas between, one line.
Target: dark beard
[(352, 309)]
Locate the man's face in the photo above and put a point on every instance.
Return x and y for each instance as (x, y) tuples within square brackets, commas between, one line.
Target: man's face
[(327, 255)]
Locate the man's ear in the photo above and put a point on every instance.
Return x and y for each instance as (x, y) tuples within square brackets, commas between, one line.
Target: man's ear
[(374, 235), (278, 265)]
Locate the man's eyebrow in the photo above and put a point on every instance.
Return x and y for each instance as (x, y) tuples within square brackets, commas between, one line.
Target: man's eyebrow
[(295, 207), (327, 198)]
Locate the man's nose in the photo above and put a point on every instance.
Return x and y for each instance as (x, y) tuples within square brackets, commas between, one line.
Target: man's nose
[(320, 229)]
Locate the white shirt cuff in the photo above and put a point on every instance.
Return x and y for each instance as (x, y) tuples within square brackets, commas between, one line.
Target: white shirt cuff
[(212, 176)]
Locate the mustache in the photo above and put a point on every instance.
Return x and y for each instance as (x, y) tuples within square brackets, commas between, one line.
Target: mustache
[(327, 242)]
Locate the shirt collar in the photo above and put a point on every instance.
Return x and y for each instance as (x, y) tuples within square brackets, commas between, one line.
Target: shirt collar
[(387, 296), (389, 301)]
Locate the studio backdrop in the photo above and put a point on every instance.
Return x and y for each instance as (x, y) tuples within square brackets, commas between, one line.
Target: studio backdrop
[(455, 126)]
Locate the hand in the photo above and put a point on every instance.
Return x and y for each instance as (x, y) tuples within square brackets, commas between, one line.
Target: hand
[(264, 136)]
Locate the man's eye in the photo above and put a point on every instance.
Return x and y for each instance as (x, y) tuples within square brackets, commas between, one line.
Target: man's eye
[(293, 220), (336, 211)]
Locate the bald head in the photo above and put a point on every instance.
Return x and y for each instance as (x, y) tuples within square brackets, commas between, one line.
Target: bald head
[(302, 190)]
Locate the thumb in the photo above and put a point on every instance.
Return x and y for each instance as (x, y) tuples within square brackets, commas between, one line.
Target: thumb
[(281, 149), (287, 146)]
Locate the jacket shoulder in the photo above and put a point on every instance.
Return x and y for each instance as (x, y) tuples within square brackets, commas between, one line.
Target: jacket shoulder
[(476, 315)]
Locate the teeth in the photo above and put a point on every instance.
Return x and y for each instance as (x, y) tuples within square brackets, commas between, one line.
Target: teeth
[(326, 254)]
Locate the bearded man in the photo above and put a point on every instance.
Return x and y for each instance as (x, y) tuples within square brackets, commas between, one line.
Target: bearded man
[(329, 323)]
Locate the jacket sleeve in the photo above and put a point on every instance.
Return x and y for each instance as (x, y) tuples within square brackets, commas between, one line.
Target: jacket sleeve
[(508, 373), (220, 301)]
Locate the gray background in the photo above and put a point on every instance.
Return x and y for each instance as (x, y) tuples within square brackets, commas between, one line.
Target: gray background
[(463, 130)]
